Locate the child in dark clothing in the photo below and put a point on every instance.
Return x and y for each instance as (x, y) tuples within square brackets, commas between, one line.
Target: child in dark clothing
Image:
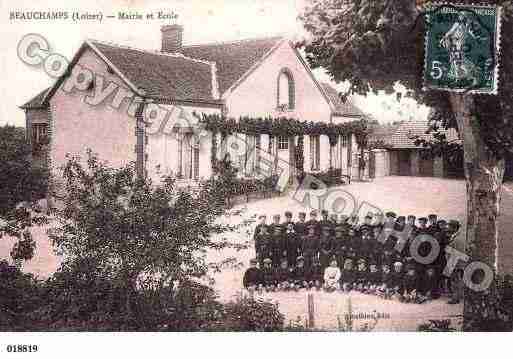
[(268, 275), (374, 279), (315, 275), (310, 246), (299, 274), (293, 244), (385, 289), (347, 277), (410, 284), (429, 284), (361, 275), (325, 248), (397, 280), (283, 276), (278, 240), (252, 277)]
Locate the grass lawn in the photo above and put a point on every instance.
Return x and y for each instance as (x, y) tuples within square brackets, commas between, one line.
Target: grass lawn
[(404, 195)]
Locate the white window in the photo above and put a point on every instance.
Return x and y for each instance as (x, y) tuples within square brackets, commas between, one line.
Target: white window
[(315, 152), (283, 143)]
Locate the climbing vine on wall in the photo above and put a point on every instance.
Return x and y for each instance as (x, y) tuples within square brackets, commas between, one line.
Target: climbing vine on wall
[(283, 126)]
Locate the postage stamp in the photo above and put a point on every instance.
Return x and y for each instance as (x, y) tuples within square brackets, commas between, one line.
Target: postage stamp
[(462, 48)]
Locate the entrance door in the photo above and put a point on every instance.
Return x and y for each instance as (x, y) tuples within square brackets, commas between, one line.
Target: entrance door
[(426, 167), (372, 164), (404, 163)]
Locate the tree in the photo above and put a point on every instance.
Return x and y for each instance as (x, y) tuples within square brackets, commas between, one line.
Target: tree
[(140, 234), (374, 44), (20, 183)]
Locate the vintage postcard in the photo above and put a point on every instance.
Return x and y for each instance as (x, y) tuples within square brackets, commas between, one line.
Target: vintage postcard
[(254, 166)]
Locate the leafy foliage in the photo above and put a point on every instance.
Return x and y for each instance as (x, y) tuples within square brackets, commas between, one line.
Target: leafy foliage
[(282, 126), (20, 182), (374, 44), (21, 295), (228, 184), (22, 186)]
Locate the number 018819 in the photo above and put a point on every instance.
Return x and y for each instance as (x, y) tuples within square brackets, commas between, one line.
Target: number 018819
[(22, 348)]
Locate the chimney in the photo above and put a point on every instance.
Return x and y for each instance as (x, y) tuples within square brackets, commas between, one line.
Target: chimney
[(171, 38)]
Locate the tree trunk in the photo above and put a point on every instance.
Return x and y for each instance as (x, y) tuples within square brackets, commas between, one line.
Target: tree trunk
[(484, 174)]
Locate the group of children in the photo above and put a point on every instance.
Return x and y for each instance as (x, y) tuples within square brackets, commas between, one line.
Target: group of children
[(339, 253)]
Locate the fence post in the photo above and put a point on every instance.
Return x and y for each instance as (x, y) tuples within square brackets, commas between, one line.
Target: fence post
[(311, 311)]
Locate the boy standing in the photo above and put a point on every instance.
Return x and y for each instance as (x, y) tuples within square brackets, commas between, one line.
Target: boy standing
[(293, 243), (325, 247), (310, 246), (278, 242)]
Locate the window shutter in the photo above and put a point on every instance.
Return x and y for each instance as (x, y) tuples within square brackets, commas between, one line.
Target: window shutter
[(196, 161), (312, 147), (318, 152)]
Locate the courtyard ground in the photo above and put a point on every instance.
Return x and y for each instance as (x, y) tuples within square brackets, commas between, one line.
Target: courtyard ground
[(404, 195)]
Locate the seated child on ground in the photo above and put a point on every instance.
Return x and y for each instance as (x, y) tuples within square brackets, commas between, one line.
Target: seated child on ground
[(268, 274), (332, 277), (397, 280), (299, 274), (347, 277), (374, 279), (283, 275), (384, 289), (410, 283), (429, 284), (252, 277), (315, 275), (361, 275)]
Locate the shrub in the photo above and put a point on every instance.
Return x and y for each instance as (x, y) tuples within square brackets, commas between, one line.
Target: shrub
[(246, 314)]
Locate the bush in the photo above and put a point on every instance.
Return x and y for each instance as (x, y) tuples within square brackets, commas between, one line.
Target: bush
[(331, 177), (20, 295), (246, 314)]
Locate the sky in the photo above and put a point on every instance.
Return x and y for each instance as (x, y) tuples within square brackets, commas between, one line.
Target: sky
[(203, 21)]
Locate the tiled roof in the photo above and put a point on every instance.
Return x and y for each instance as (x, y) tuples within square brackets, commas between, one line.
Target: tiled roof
[(340, 108), (381, 132), (233, 59), (37, 101), (165, 76), (402, 137)]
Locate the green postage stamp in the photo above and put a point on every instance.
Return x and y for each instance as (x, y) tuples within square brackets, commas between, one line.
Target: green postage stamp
[(462, 48)]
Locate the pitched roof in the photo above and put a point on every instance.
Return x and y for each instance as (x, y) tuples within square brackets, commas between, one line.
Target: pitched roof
[(402, 137), (381, 132), (232, 59), (160, 75), (340, 108), (37, 101)]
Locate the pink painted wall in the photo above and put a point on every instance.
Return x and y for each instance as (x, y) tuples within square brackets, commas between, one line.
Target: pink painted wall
[(257, 94), (77, 125)]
